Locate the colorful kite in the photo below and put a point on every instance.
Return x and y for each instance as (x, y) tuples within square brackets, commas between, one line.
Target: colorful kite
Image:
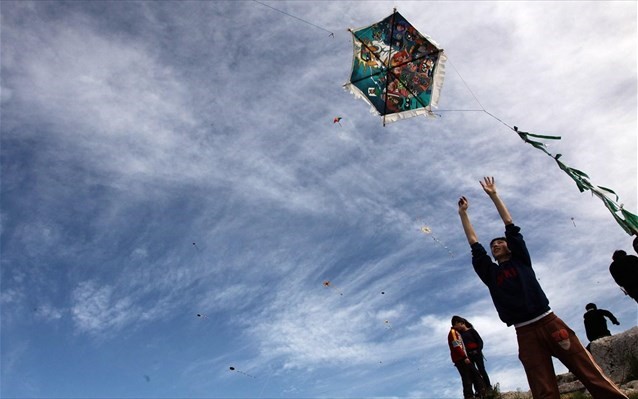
[(337, 120), (400, 72), (396, 69)]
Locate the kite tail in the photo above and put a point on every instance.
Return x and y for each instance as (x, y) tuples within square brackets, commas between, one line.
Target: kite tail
[(627, 220)]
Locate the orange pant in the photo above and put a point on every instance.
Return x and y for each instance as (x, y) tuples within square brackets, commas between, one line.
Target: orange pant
[(550, 336)]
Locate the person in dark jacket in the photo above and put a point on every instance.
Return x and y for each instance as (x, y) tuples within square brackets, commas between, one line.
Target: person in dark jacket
[(520, 301), (595, 323), (470, 377), (624, 270), (474, 347)]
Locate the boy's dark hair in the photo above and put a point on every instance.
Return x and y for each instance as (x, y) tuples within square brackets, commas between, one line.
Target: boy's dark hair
[(590, 306), (618, 254), (457, 319), (497, 239), (635, 244)]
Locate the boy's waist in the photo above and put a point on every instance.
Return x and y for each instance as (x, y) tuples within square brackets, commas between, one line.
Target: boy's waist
[(542, 319)]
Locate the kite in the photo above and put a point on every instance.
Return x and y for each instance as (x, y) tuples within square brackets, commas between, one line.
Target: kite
[(400, 73), (387, 324), (231, 368), (428, 231), (396, 69), (196, 247), (337, 120), (328, 284)]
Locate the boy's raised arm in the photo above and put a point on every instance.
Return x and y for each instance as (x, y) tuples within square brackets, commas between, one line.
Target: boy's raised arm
[(489, 186), (465, 221)]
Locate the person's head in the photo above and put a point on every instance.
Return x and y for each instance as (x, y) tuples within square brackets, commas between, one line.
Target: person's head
[(499, 248), (467, 324), (458, 323), (619, 254), (590, 306), (635, 243)]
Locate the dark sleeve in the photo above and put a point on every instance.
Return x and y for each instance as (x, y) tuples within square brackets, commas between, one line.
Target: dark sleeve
[(481, 262), (516, 244), (609, 315), (615, 273)]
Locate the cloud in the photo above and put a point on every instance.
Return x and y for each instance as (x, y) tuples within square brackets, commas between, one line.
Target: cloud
[(98, 309), (48, 312)]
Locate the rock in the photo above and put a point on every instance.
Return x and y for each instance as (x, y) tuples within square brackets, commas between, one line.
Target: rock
[(515, 395), (574, 386), (565, 378), (615, 355)]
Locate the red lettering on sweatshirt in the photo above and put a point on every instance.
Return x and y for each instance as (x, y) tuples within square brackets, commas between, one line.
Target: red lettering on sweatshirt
[(505, 274)]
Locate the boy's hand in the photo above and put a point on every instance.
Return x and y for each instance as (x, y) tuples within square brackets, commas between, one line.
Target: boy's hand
[(489, 186), (463, 204)]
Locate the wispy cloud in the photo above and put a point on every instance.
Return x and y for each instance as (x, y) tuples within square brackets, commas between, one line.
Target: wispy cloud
[(96, 308)]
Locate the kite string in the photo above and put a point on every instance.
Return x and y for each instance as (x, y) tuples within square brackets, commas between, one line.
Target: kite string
[(449, 61), (297, 18), (475, 98), (499, 120)]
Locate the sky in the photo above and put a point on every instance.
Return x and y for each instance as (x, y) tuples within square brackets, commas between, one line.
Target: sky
[(174, 193)]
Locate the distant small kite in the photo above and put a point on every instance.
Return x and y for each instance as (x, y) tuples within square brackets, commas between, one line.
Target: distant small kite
[(231, 368), (337, 120), (428, 231), (328, 284)]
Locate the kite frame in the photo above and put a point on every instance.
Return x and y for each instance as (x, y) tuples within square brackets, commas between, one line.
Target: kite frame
[(437, 78)]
